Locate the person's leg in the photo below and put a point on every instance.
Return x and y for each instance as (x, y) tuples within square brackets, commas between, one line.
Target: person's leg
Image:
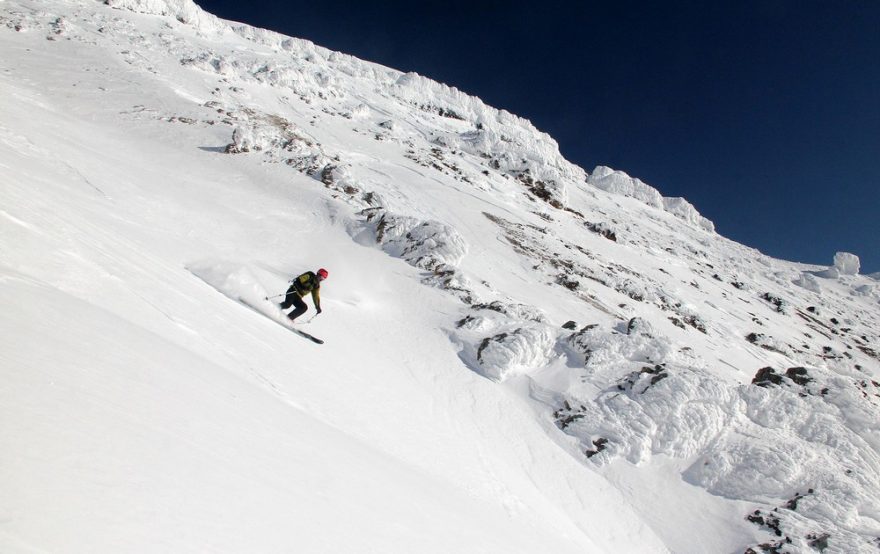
[(289, 298), (299, 308)]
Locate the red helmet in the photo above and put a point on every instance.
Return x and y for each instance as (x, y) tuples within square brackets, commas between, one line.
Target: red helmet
[(322, 273)]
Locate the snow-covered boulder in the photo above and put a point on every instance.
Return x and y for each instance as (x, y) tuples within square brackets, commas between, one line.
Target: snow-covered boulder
[(808, 281), (424, 244), (513, 310), (341, 178), (651, 410), (830, 273), (846, 263), (211, 63), (247, 139), (605, 352), (505, 354), (768, 343), (865, 290), (277, 139)]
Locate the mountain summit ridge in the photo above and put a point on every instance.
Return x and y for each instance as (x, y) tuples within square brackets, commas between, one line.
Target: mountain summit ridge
[(411, 87)]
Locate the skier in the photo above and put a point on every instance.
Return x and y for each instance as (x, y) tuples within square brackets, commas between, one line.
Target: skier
[(308, 282)]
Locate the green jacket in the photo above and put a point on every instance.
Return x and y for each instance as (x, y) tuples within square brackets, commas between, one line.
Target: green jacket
[(308, 283)]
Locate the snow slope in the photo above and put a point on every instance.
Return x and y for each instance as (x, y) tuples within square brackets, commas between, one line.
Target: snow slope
[(519, 356)]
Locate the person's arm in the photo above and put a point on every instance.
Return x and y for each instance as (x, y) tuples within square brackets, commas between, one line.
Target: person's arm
[(316, 297)]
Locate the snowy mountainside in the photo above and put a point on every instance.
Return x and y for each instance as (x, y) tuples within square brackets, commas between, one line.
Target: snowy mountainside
[(628, 348)]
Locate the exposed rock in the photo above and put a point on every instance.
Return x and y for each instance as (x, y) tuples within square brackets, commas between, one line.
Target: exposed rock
[(779, 303)]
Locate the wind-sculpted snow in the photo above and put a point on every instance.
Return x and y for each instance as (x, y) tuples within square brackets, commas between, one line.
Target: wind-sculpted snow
[(515, 351), (501, 339), (813, 426), (809, 282), (639, 344), (509, 144), (815, 447), (424, 244), (650, 402), (681, 208), (277, 140), (185, 11), (846, 263), (618, 182)]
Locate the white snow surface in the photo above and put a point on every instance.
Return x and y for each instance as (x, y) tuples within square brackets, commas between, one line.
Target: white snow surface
[(519, 356)]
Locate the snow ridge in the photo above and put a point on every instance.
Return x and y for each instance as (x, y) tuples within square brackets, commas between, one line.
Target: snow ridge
[(184, 11)]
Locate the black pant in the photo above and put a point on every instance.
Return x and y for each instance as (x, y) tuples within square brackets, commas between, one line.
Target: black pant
[(293, 298)]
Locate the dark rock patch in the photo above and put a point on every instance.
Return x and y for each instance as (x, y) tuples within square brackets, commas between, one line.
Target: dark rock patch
[(766, 377), (792, 504), (798, 375), (638, 326), (486, 342), (818, 541), (602, 229), (759, 339), (657, 372), (779, 303), (600, 444), (566, 415), (767, 520)]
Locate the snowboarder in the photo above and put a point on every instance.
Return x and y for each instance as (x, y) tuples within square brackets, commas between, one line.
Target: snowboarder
[(308, 282)]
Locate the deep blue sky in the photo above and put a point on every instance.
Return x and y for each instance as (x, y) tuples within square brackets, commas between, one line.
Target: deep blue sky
[(764, 114)]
